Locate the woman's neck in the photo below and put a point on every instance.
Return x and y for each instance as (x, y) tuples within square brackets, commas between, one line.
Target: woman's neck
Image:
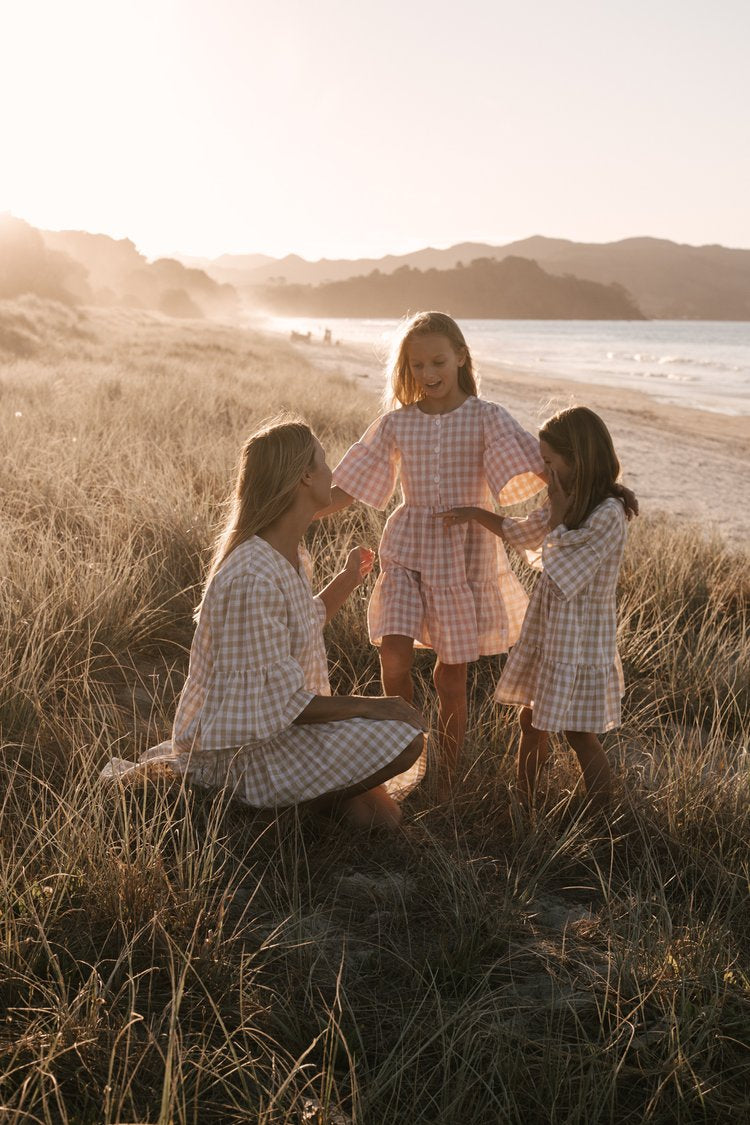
[(285, 533)]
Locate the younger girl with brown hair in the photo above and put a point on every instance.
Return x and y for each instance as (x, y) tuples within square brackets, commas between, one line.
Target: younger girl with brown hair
[(565, 671)]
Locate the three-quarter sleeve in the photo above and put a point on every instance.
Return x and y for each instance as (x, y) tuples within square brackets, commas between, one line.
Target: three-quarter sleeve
[(571, 558), (512, 461), (257, 687), (527, 533), (369, 468)]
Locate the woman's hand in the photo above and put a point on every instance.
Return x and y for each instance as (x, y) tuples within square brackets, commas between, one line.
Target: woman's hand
[(559, 500), (394, 707), (359, 564), (456, 516)]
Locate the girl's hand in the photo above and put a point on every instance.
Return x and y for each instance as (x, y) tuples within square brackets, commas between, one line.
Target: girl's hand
[(559, 500), (456, 516), (629, 500), (359, 564)]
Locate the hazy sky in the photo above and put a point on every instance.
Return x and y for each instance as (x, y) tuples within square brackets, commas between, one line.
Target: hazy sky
[(333, 129)]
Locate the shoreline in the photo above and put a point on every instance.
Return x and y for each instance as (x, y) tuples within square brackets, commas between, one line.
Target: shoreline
[(689, 463)]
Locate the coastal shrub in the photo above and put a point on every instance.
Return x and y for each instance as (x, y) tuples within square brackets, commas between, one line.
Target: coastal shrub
[(166, 955)]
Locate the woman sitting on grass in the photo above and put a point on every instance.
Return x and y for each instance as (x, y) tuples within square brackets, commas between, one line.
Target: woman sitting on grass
[(256, 715)]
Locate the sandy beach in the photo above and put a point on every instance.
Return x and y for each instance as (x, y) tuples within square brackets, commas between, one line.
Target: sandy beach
[(692, 464)]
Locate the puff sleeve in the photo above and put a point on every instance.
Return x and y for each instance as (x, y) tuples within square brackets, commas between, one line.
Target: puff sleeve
[(512, 461), (571, 558), (369, 468), (257, 688)]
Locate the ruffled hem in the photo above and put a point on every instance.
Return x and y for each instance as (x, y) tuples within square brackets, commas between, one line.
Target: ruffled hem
[(305, 762), (563, 696), (461, 622)]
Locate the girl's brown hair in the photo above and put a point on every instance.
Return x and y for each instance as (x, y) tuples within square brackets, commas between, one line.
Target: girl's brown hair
[(401, 388), (581, 437), (272, 463)]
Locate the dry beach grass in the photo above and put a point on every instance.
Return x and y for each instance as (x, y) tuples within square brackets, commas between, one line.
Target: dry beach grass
[(166, 956)]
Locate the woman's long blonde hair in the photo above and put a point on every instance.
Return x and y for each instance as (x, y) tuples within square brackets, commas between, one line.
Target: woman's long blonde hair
[(401, 388), (272, 463), (581, 438)]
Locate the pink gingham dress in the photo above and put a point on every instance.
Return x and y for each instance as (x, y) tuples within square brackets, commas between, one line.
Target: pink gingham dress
[(450, 588), (565, 665), (256, 661)]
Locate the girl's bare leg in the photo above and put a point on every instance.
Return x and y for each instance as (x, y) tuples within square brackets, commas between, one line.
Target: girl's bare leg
[(597, 775), (450, 684), (532, 754), (396, 659)]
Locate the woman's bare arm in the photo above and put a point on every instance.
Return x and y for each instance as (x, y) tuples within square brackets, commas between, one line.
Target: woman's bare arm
[(358, 566), (332, 708)]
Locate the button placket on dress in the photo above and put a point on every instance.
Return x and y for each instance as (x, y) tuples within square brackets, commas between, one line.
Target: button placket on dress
[(436, 477)]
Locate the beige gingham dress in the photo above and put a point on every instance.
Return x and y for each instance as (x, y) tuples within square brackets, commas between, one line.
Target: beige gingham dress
[(256, 661), (450, 588), (565, 665)]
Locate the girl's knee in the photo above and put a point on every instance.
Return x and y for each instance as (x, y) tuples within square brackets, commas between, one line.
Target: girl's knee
[(525, 716), (450, 679), (582, 740), (397, 655)]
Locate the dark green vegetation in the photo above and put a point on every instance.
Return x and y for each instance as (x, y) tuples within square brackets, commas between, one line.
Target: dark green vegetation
[(166, 956), (510, 289)]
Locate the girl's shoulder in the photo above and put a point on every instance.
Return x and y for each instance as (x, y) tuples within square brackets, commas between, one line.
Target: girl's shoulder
[(251, 561), (496, 420), (609, 516)]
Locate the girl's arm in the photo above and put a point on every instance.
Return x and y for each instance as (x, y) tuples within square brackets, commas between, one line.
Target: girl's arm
[(358, 566), (339, 501), (332, 708), (525, 534), (490, 520)]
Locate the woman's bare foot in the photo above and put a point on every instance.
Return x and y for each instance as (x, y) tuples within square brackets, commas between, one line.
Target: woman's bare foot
[(373, 809)]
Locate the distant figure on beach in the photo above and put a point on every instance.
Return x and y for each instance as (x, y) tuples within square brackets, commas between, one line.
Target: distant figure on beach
[(327, 336), (256, 715), (565, 670), (446, 588)]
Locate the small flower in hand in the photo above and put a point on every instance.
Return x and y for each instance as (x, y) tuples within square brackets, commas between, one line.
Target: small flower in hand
[(359, 563)]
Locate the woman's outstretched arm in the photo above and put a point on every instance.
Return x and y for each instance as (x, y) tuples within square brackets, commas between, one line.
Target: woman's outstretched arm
[(358, 566), (332, 708)]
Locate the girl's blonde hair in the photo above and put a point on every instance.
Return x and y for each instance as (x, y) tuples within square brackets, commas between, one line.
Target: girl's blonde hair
[(582, 439), (272, 463), (401, 388)]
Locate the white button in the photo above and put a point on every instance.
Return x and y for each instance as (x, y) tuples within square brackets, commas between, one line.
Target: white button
[(437, 448), (437, 421), (437, 479)]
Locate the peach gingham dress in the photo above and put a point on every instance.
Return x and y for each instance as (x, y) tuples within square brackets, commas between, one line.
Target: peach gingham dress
[(256, 661), (450, 588), (565, 665)]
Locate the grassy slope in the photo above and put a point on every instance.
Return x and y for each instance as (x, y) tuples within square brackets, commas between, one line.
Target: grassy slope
[(166, 956)]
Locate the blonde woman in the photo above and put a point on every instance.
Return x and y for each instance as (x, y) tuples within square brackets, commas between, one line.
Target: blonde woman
[(256, 714)]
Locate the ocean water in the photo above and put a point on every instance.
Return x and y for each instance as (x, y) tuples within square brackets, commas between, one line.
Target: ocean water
[(699, 364)]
